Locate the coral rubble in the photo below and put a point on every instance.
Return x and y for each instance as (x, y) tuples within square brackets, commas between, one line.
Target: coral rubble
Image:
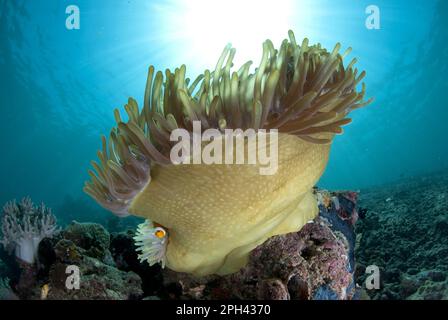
[(405, 233)]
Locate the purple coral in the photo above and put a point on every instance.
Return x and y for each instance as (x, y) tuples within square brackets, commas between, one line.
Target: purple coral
[(24, 226)]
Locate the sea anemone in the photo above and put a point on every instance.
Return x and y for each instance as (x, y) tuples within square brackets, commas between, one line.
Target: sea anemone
[(151, 241), (216, 214), (24, 225)]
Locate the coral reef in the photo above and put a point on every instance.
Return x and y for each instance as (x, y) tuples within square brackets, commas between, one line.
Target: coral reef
[(85, 247), (92, 237), (24, 225), (99, 281), (125, 256), (214, 215), (313, 263), (405, 233), (425, 285)]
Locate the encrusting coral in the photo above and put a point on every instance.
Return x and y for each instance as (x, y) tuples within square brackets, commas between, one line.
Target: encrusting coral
[(213, 214), (24, 225)]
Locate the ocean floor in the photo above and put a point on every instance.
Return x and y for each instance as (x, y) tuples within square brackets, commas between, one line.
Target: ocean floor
[(316, 262), (402, 228), (404, 231)]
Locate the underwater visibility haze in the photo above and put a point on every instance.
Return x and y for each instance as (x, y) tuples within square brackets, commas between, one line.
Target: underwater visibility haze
[(377, 201)]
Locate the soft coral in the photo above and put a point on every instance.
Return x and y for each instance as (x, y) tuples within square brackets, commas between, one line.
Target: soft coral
[(24, 226)]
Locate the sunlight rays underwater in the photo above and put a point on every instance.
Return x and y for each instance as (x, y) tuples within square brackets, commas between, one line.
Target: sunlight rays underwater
[(76, 78)]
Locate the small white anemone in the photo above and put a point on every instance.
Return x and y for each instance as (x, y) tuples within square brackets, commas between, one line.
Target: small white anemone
[(151, 241)]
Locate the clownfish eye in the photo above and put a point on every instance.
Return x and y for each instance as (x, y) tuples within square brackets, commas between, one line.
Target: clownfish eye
[(159, 233)]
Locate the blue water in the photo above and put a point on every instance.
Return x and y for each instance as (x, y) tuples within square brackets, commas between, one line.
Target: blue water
[(58, 87)]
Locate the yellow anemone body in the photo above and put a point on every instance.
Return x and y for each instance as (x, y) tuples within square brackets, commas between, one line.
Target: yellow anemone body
[(216, 214)]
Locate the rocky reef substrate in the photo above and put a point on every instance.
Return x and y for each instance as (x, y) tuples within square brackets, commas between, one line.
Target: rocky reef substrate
[(315, 263), (405, 233)]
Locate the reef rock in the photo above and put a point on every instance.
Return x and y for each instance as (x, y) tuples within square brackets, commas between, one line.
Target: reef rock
[(125, 256), (315, 263), (86, 246), (405, 233), (98, 281), (92, 237), (81, 249)]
